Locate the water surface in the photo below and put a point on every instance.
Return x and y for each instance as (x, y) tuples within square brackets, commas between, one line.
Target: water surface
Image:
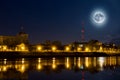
[(65, 68)]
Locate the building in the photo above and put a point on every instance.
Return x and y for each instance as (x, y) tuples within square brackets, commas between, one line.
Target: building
[(11, 41), (21, 47)]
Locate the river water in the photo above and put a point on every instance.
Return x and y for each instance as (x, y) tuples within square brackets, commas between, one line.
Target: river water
[(61, 68)]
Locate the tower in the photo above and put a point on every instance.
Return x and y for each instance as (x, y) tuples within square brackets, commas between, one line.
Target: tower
[(22, 37), (22, 28), (82, 33)]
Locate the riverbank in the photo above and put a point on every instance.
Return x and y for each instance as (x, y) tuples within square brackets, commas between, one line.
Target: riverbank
[(53, 54)]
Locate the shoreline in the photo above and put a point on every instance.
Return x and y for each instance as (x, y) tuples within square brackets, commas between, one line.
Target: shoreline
[(54, 54)]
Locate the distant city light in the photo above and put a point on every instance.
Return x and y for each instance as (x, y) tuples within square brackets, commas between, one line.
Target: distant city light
[(54, 48), (67, 48), (87, 49), (39, 48)]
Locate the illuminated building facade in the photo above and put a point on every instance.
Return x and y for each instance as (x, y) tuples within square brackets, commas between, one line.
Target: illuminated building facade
[(21, 37)]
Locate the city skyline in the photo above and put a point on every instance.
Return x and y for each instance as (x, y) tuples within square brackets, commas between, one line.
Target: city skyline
[(59, 20)]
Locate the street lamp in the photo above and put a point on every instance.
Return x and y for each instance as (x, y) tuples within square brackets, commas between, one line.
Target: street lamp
[(101, 49), (67, 48), (39, 48), (87, 49), (54, 48), (78, 49)]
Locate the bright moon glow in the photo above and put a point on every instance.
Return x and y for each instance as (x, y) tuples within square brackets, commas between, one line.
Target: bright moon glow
[(98, 17)]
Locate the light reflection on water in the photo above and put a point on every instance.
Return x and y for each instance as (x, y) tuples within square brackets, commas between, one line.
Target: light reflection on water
[(20, 68)]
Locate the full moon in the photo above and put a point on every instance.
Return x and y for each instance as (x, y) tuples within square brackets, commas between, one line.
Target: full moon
[(98, 17)]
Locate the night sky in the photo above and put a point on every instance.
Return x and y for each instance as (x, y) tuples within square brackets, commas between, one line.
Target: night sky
[(59, 19)]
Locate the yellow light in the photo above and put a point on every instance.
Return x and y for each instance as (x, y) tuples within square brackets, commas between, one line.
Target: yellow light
[(67, 63), (78, 49), (101, 49), (23, 60), (86, 49), (4, 68), (101, 62), (86, 62), (53, 64), (5, 61), (23, 48), (39, 60), (79, 62), (54, 48), (4, 47), (39, 48), (67, 48), (94, 61), (39, 67), (22, 68)]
